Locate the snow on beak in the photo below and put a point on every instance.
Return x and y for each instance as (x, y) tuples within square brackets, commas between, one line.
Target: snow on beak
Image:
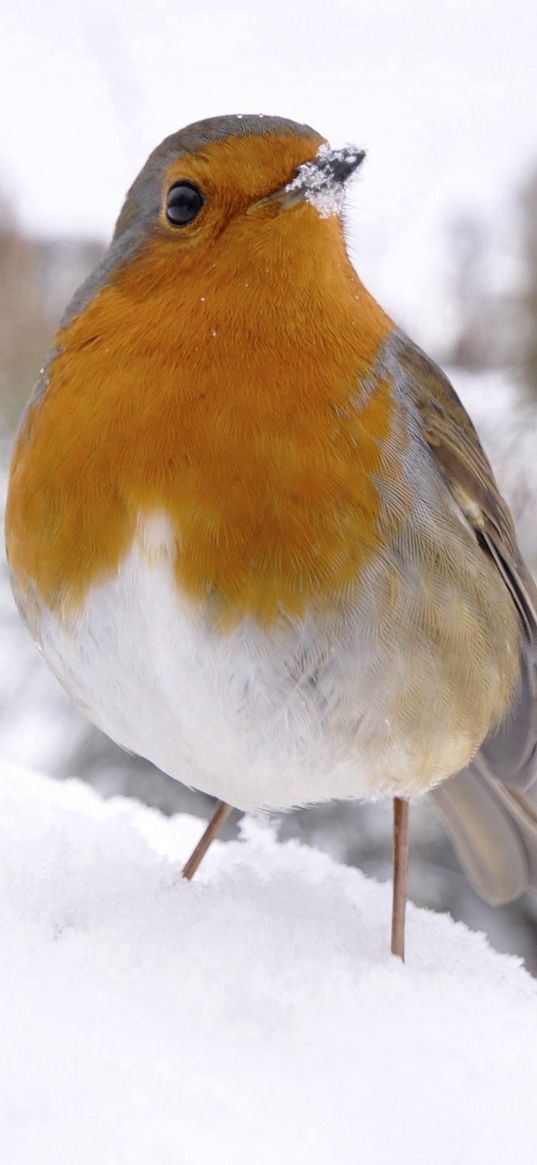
[(320, 182)]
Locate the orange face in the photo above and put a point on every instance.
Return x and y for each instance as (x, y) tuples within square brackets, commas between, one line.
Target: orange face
[(226, 376)]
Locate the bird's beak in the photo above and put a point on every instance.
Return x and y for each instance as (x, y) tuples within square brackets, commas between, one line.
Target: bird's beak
[(320, 181)]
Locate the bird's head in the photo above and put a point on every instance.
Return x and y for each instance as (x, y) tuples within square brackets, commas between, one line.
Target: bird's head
[(231, 197), (237, 173)]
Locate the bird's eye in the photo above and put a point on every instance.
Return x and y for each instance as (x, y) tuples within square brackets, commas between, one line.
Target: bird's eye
[(184, 201)]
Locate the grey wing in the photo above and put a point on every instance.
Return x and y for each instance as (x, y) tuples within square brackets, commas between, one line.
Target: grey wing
[(490, 808)]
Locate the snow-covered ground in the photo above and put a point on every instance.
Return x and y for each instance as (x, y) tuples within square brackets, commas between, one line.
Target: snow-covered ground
[(252, 1016)]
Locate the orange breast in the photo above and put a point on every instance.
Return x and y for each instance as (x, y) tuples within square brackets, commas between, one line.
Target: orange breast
[(242, 400)]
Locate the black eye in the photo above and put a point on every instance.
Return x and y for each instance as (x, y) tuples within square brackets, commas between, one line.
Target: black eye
[(183, 203)]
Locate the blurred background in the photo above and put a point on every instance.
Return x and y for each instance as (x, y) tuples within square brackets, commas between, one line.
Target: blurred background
[(442, 227)]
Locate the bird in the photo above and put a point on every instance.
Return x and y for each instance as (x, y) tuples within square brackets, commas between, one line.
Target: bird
[(252, 528)]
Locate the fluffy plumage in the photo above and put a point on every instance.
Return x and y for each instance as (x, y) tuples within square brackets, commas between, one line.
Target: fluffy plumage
[(253, 528)]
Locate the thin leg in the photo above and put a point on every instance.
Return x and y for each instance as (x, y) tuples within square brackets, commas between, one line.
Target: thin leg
[(400, 875), (218, 818)]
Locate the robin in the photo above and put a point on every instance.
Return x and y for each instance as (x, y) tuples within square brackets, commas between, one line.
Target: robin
[(252, 528)]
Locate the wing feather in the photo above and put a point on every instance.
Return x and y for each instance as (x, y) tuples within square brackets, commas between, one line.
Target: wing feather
[(492, 824)]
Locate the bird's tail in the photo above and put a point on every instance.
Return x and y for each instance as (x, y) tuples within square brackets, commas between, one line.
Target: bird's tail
[(493, 829)]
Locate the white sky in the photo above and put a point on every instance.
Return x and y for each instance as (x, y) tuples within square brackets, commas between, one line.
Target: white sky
[(442, 93)]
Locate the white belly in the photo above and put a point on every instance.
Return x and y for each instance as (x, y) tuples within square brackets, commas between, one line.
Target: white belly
[(306, 712)]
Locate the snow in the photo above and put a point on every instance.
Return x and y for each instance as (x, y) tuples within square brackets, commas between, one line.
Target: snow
[(252, 1015), (321, 182)]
